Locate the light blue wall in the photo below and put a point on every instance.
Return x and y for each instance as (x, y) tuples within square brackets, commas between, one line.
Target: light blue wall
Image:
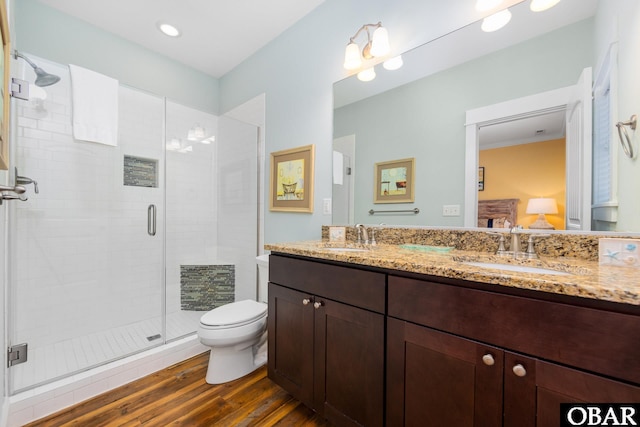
[(45, 32), (425, 119), (297, 70)]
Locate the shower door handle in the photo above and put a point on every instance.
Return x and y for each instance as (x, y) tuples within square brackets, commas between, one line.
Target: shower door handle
[(151, 220)]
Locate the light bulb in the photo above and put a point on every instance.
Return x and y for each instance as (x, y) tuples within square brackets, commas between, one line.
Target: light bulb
[(168, 29)]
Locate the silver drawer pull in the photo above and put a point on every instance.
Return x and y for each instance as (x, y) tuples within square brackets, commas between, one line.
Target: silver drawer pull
[(306, 301), (317, 304)]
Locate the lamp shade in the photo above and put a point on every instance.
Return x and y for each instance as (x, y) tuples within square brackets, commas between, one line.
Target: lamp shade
[(352, 59), (542, 205), (393, 63), (380, 42), (540, 5), (496, 21), (367, 75), (485, 5)]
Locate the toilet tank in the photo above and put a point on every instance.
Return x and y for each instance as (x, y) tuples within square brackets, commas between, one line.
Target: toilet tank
[(263, 277)]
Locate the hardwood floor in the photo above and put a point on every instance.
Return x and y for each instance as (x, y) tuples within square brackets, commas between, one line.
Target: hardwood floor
[(179, 396)]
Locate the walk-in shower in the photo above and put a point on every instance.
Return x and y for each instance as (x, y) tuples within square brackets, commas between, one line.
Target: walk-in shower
[(89, 282)]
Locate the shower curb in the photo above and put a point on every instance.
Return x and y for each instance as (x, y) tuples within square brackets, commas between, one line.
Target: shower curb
[(41, 401)]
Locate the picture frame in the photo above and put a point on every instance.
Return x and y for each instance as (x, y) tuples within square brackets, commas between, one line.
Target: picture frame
[(481, 178), (5, 58), (291, 180), (394, 181)]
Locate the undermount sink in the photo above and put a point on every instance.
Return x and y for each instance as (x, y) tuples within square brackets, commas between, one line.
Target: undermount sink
[(517, 268)]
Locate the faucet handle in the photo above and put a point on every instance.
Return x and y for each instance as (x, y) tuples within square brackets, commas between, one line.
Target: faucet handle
[(531, 251), (501, 249)]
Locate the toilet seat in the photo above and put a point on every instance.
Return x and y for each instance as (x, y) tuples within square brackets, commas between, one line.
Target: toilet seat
[(234, 315)]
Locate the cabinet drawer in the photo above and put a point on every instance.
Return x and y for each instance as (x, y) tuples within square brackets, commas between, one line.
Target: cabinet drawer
[(596, 340), (364, 289)]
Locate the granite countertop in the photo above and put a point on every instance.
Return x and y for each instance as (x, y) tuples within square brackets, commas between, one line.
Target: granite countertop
[(586, 279)]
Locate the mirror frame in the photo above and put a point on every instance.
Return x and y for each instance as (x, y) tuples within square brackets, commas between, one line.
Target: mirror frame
[(4, 93)]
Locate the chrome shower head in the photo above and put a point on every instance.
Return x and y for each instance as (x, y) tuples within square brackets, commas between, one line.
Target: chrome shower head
[(42, 77)]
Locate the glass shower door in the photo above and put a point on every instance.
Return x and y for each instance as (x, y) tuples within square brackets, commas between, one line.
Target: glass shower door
[(86, 251)]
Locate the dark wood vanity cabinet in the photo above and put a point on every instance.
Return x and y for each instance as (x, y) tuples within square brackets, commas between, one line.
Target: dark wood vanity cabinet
[(441, 372), (326, 338)]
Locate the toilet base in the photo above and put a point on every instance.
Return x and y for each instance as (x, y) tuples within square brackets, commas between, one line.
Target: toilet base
[(228, 363)]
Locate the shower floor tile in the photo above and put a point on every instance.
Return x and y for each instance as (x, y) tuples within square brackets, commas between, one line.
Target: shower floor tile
[(52, 362)]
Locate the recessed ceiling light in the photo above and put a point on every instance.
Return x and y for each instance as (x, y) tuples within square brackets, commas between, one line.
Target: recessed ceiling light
[(168, 29)]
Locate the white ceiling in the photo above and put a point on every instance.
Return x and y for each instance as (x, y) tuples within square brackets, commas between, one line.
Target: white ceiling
[(217, 35)]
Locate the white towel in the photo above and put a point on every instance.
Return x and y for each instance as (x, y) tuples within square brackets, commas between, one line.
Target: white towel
[(338, 167), (95, 106)]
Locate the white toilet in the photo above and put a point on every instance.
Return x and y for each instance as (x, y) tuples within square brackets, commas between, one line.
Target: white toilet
[(237, 333)]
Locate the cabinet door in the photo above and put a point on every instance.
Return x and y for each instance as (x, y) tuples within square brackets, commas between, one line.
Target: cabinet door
[(438, 379), (290, 324), (349, 364), (557, 384)]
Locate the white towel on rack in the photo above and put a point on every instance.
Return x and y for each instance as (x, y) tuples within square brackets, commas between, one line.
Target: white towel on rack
[(95, 106)]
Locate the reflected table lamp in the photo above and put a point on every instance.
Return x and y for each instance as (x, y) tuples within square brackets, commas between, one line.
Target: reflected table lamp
[(542, 206)]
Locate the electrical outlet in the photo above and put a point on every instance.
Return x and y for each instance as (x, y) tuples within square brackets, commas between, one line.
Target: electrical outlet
[(451, 210)]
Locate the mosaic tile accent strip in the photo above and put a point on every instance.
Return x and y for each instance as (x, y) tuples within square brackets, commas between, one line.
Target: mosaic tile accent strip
[(139, 172), (205, 287)]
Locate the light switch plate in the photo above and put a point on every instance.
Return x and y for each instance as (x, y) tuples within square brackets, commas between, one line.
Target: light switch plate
[(619, 252), (337, 234), (326, 206)]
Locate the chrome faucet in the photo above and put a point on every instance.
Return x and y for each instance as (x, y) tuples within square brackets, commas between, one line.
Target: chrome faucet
[(26, 180), (363, 235), (516, 246)]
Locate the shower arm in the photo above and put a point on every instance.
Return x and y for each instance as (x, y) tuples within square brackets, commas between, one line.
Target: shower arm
[(17, 55)]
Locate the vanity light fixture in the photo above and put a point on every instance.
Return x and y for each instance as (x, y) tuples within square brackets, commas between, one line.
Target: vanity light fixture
[(541, 206), (168, 29), (540, 5), (375, 47), (496, 21)]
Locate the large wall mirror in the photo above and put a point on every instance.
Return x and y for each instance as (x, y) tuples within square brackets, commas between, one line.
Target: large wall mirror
[(425, 111)]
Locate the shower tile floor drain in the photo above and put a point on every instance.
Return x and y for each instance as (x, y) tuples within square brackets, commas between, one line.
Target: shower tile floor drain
[(55, 361)]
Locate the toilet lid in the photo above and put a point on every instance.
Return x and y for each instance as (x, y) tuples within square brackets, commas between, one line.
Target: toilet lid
[(236, 313)]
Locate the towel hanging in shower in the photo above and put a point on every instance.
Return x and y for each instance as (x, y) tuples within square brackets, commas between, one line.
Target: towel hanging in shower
[(95, 106)]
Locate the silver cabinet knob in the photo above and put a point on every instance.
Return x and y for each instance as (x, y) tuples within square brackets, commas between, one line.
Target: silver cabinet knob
[(488, 360), (306, 301), (317, 304), (519, 370)]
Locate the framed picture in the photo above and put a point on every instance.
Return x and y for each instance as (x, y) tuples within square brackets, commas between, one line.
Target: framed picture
[(291, 180), (394, 181), (481, 178)]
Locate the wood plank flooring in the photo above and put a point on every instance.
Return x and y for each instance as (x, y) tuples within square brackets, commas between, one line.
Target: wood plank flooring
[(180, 396)]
